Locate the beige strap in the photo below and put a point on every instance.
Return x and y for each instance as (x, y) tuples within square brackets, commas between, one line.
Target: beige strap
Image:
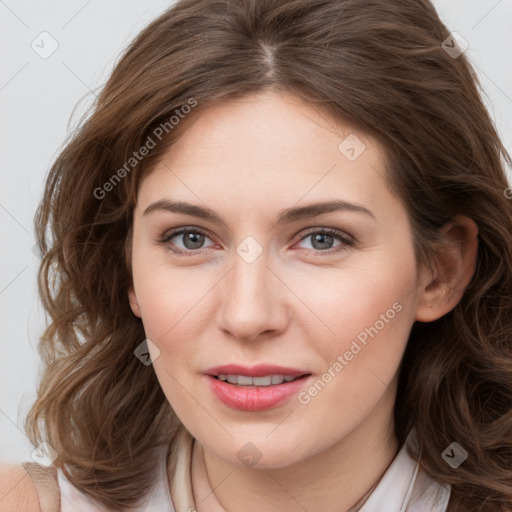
[(46, 484), (179, 461)]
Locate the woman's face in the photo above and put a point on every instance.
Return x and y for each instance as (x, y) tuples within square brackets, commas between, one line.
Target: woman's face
[(256, 283)]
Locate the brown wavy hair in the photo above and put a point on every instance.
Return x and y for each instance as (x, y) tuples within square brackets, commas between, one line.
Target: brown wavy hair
[(378, 65)]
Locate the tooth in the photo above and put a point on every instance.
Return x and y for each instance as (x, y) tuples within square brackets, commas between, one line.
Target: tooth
[(267, 380), (244, 380), (262, 381)]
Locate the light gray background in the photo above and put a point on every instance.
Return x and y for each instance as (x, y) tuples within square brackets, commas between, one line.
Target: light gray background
[(38, 97)]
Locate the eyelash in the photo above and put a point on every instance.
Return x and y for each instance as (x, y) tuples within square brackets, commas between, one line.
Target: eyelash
[(346, 241)]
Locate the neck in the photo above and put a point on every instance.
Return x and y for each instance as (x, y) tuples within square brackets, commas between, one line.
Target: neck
[(338, 479)]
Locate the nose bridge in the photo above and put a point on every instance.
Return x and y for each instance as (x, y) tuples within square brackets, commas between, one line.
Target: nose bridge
[(250, 299)]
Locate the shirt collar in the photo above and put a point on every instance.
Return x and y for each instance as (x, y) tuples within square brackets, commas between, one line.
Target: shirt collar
[(405, 486)]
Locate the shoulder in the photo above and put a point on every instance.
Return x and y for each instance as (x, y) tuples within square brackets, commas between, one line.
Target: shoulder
[(29, 487), (17, 490)]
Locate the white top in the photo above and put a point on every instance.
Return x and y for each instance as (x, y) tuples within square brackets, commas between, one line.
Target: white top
[(404, 487)]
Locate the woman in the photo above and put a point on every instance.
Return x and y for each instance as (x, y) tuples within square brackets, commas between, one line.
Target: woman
[(280, 272)]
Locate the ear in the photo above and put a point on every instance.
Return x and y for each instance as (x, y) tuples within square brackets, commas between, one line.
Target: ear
[(454, 267), (133, 302)]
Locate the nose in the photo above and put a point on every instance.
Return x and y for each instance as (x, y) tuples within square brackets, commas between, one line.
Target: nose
[(253, 301)]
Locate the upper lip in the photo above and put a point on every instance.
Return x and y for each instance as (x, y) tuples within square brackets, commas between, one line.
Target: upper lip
[(259, 370)]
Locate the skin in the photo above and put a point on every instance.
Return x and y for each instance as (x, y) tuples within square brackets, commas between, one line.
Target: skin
[(296, 305)]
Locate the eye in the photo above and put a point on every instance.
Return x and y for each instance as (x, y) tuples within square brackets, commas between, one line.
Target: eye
[(322, 240), (191, 240)]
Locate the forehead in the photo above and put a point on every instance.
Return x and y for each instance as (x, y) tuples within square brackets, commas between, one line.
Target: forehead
[(267, 148), (265, 125)]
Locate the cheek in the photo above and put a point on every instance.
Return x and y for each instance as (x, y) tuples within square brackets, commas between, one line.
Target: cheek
[(360, 360), (366, 314), (169, 297), (368, 300)]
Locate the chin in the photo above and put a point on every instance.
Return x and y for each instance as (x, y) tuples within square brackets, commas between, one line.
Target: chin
[(255, 448)]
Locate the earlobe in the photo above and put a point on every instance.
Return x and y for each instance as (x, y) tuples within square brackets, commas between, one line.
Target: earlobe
[(454, 267), (133, 302)]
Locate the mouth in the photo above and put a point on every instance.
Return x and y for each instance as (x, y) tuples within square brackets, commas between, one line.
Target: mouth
[(255, 389)]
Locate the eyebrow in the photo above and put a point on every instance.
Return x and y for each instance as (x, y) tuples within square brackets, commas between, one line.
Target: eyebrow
[(287, 215)]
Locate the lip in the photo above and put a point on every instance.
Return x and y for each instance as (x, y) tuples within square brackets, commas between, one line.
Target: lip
[(259, 370), (255, 398)]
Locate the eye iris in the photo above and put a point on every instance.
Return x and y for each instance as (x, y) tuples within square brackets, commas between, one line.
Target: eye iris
[(320, 237), (193, 240)]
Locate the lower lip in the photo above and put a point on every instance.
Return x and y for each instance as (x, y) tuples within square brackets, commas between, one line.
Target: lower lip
[(254, 398)]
